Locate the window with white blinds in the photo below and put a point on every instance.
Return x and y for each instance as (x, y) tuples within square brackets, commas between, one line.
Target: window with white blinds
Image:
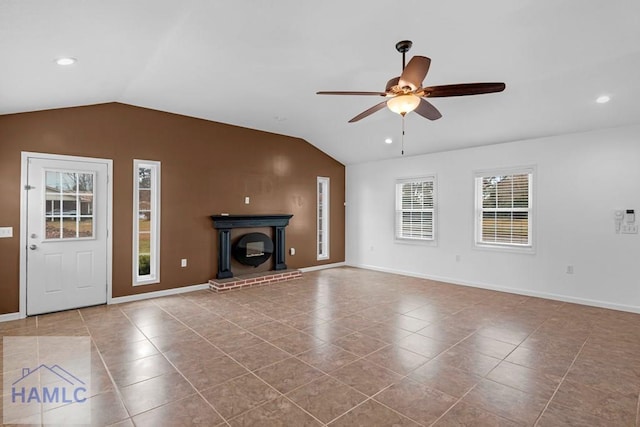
[(504, 208), (415, 208)]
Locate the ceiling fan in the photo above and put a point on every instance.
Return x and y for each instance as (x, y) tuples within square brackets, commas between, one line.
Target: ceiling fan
[(406, 93)]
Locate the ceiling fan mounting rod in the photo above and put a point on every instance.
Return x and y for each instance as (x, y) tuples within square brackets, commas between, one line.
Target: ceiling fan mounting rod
[(403, 47)]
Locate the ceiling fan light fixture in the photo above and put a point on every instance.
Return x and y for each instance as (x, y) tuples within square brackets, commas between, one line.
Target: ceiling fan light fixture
[(403, 104)]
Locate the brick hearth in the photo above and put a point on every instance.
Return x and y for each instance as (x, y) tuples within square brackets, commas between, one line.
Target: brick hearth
[(251, 280)]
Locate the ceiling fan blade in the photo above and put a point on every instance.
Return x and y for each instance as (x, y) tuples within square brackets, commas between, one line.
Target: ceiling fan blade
[(391, 83), (368, 112), (350, 93), (463, 89), (415, 72), (427, 110)]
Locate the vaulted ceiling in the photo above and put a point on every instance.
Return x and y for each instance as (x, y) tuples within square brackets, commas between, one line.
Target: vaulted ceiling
[(258, 64)]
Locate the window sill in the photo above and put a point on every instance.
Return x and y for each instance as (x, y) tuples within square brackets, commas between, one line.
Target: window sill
[(416, 242), (530, 250), (146, 282)]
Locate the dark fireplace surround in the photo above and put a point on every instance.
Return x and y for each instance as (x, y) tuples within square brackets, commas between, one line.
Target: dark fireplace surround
[(225, 223)]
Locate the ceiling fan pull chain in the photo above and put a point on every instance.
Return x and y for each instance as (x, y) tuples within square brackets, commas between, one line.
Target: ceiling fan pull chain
[(402, 139)]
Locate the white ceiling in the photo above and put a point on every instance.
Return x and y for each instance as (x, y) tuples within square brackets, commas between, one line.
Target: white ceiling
[(258, 64)]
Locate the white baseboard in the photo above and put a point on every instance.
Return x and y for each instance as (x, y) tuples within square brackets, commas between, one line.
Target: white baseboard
[(9, 317), (322, 267), (156, 294), (551, 296)]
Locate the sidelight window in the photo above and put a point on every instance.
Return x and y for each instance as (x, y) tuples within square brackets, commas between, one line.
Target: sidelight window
[(146, 222), (323, 218)]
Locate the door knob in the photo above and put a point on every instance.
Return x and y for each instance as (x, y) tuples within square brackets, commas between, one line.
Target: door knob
[(33, 247)]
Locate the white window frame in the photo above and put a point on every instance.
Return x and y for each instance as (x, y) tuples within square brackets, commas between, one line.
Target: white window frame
[(154, 228), (322, 212), (399, 236), (479, 209)]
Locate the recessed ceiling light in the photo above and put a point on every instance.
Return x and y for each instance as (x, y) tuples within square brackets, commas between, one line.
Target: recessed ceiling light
[(603, 99), (66, 61), (388, 141)]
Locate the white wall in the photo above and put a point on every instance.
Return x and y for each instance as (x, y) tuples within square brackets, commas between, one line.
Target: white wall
[(581, 180)]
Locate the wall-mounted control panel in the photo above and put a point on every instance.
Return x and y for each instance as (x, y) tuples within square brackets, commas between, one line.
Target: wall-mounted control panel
[(625, 221)]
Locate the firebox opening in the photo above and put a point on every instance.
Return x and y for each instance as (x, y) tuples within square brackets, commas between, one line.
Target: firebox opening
[(252, 249), (255, 249)]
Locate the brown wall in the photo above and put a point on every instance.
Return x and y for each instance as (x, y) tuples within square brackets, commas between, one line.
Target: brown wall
[(207, 168)]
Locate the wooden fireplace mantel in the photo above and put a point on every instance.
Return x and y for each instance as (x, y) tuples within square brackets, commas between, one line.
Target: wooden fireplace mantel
[(242, 221), (225, 223)]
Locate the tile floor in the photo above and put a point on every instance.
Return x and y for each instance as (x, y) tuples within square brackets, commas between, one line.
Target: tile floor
[(350, 347)]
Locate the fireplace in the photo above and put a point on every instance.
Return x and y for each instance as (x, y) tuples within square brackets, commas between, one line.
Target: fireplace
[(253, 249), (258, 248)]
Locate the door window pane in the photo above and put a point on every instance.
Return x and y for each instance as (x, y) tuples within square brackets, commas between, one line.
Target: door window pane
[(69, 228), (69, 182), (69, 205), (85, 227), (52, 228), (52, 180)]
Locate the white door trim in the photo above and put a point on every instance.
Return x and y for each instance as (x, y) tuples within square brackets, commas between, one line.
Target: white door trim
[(26, 155)]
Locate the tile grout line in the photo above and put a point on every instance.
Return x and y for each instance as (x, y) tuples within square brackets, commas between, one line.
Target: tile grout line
[(407, 376), (488, 373), (296, 357), (327, 374), (458, 401), (106, 368), (283, 321), (561, 381), (231, 379), (403, 377), (177, 370)]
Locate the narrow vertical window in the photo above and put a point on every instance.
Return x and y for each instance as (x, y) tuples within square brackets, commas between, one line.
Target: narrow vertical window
[(415, 209), (146, 222), (323, 218), (504, 208)]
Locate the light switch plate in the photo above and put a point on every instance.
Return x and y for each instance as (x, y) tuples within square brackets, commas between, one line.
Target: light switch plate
[(6, 232)]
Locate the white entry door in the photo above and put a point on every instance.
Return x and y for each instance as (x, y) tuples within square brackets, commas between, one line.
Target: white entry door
[(66, 234)]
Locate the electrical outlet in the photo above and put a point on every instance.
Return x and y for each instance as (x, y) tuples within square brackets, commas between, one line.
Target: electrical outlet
[(247, 200), (183, 262), (6, 232), (292, 251)]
